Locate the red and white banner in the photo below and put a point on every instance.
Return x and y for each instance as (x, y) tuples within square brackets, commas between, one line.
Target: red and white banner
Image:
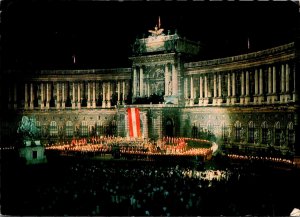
[(134, 122)]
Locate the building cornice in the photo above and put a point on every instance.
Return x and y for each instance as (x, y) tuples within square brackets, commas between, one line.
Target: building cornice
[(153, 59), (265, 57)]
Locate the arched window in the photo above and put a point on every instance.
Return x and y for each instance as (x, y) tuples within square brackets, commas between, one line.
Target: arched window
[(264, 133), (291, 134), (53, 129), (237, 131), (69, 129), (251, 129), (84, 128), (277, 131)]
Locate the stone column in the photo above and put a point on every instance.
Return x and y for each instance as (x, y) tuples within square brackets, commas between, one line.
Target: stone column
[(233, 99), (103, 95), (141, 82), (167, 80), (42, 96), (242, 97), (200, 90), (261, 89), (134, 82), (274, 85), (256, 82), (205, 101), (247, 98), (287, 82), (94, 94), (282, 93), (269, 80), (78, 96), (47, 96), (57, 96), (89, 94), (63, 100), (220, 90), (256, 86), (108, 95), (192, 91), (215, 90), (269, 97), (295, 93), (31, 96), (274, 80), (228, 88), (118, 89), (73, 96), (148, 88), (123, 93), (260, 98)]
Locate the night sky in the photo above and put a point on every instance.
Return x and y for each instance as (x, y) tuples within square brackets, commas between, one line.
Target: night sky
[(46, 34)]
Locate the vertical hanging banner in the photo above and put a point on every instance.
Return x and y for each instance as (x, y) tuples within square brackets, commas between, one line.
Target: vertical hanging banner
[(134, 122)]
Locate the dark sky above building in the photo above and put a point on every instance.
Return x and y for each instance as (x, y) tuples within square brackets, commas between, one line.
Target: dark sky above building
[(46, 34)]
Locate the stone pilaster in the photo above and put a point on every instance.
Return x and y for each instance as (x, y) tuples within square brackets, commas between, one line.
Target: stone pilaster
[(220, 100), (141, 82), (205, 100), (242, 97), (73, 96), (94, 94), (89, 94), (31, 96), (42, 96), (123, 93), (260, 97), (201, 91), (192, 92), (215, 90), (103, 95), (134, 82), (79, 96), (228, 89), (247, 97), (256, 86), (57, 96), (63, 95), (108, 95), (287, 82), (118, 90)]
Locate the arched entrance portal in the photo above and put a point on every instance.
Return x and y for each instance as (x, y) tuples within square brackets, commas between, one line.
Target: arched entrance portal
[(169, 128)]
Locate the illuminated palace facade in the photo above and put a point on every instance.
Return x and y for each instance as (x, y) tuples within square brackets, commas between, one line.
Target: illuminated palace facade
[(248, 100)]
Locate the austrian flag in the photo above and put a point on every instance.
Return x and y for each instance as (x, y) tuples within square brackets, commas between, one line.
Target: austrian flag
[(134, 122)]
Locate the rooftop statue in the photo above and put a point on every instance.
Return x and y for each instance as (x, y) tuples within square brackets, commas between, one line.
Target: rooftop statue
[(157, 30)]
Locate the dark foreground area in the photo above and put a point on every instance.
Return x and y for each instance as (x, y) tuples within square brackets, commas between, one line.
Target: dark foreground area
[(77, 186)]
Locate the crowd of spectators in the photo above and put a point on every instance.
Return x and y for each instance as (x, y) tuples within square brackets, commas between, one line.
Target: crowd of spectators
[(77, 186)]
